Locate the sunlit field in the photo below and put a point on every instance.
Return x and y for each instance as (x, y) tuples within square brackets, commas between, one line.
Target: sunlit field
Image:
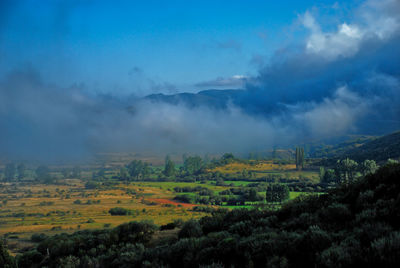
[(257, 166), (199, 134), (70, 205)]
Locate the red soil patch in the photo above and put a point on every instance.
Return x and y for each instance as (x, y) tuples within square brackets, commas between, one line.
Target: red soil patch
[(167, 201)]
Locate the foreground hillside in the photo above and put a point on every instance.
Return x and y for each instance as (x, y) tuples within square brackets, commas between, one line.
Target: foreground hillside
[(356, 224)]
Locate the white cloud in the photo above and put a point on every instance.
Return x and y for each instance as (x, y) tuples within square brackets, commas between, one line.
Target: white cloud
[(377, 21), (334, 115)]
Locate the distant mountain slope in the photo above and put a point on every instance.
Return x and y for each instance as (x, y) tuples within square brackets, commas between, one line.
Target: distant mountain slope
[(263, 102), (213, 98), (331, 148), (378, 149)]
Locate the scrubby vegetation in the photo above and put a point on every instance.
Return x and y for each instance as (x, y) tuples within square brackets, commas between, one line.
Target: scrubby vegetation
[(264, 212), (356, 224)]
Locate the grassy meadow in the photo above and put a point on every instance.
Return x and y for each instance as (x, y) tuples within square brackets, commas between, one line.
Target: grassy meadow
[(68, 206)]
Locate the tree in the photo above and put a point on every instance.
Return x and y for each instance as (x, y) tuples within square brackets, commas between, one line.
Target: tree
[(118, 211), (91, 185), (43, 174), (6, 260), (192, 164), (299, 158), (277, 193), (368, 167), (21, 171), (169, 169), (227, 158), (65, 172), (321, 173), (9, 172), (252, 195), (137, 168), (76, 172), (346, 170), (329, 176), (391, 161), (99, 174), (123, 174), (191, 228)]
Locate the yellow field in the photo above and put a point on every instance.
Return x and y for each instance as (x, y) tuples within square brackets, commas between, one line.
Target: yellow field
[(27, 208), (258, 166), (49, 209)]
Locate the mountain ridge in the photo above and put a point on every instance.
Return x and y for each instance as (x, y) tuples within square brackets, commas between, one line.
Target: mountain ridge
[(212, 98)]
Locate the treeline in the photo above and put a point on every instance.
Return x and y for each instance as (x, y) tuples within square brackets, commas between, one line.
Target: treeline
[(234, 196), (41, 174), (347, 170), (193, 166)]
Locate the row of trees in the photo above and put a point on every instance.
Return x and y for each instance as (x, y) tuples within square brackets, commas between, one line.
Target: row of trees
[(192, 165), (137, 169), (275, 192), (11, 171), (347, 170), (42, 172)]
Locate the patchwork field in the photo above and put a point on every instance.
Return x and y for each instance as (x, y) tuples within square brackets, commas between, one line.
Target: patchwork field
[(256, 166), (29, 208), (51, 208)]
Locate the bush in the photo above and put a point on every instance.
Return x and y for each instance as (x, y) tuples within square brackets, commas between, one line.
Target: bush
[(168, 226), (185, 198), (191, 228), (119, 211), (38, 237), (91, 185), (46, 203), (277, 193), (203, 209)]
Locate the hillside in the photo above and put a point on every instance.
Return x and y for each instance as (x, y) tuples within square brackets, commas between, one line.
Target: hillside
[(331, 148), (354, 225), (378, 149), (213, 98)]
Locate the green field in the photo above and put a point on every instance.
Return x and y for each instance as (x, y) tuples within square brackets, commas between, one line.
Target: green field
[(68, 205)]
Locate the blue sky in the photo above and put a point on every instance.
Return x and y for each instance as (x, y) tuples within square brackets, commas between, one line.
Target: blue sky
[(142, 47), (310, 71)]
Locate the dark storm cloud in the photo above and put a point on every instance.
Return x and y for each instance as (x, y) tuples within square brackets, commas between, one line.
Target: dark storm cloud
[(361, 56)]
